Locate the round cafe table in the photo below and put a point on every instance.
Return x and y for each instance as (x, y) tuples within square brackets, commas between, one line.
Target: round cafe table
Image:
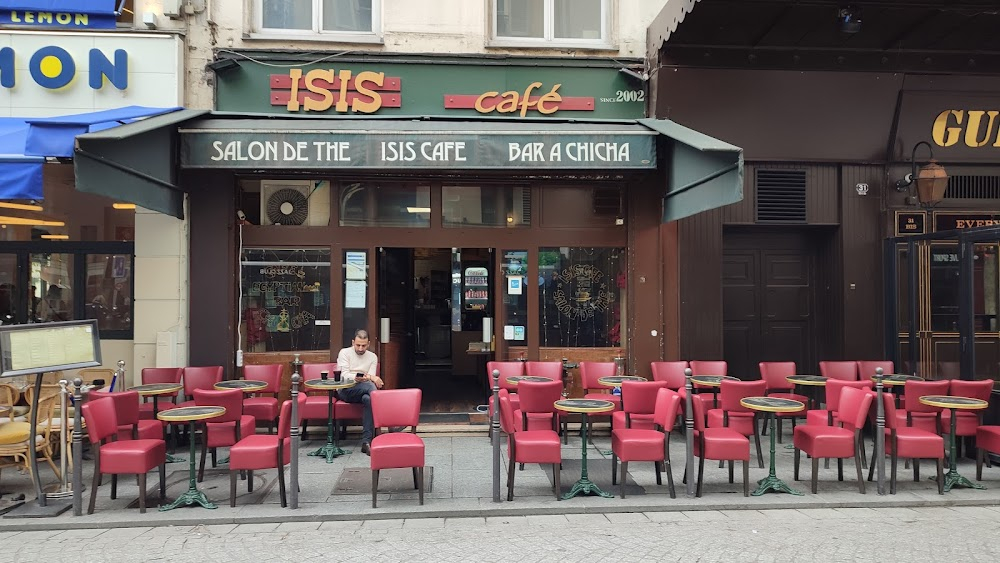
[(812, 383), (952, 478), (616, 380), (331, 449), (190, 415), (156, 390), (515, 379), (584, 486), (245, 385), (713, 381), (771, 406)]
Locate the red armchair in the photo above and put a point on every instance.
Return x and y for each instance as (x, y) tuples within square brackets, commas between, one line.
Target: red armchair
[(590, 372), (158, 375), (917, 414), (734, 415), (966, 422), (129, 457), (844, 370), (199, 377), (670, 372), (397, 407), (226, 430), (506, 370), (130, 426), (719, 444), (825, 417), (637, 444), (528, 446), (638, 404), (537, 410), (836, 441), (264, 409), (775, 376), (551, 370), (263, 451), (909, 443)]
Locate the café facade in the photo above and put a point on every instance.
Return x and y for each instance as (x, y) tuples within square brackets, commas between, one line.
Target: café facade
[(460, 209)]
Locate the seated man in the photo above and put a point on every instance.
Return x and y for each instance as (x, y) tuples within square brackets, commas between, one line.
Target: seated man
[(359, 362)]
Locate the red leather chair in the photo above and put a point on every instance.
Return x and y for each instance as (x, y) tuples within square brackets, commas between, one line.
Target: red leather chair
[(844, 370), (703, 367), (670, 372), (130, 426), (966, 422), (158, 375), (638, 404), (528, 446), (590, 372), (551, 370), (909, 443), (775, 376), (264, 451), (825, 417), (837, 442), (397, 407), (226, 430), (866, 368), (987, 441), (732, 414), (537, 410), (317, 402), (264, 409), (199, 377), (129, 457), (506, 370), (719, 444), (916, 414), (652, 444)]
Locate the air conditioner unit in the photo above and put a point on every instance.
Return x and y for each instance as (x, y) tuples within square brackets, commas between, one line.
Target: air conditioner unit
[(285, 203)]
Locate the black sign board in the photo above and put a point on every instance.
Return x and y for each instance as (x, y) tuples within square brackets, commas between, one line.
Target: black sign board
[(41, 347), (910, 223), (959, 221)]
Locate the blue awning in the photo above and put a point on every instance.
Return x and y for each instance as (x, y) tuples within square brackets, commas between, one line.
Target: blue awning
[(25, 142)]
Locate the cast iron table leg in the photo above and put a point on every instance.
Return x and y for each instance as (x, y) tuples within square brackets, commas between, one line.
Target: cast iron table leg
[(331, 449), (952, 478), (771, 482), (585, 486), (192, 495)]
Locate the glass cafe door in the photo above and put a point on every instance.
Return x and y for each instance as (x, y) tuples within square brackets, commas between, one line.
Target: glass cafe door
[(937, 309)]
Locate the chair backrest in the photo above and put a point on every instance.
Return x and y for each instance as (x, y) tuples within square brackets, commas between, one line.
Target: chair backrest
[(590, 372), (917, 389), (889, 404), (698, 406), (161, 375), (285, 417), (854, 406), (551, 370), (506, 413), (979, 389), (709, 367), (230, 399), (731, 392), (268, 373), (539, 396), (668, 404), (670, 372), (506, 370), (396, 407), (639, 397), (776, 374), (101, 419), (313, 371), (866, 368), (126, 404), (200, 377), (834, 387), (9, 394), (48, 390), (847, 371)]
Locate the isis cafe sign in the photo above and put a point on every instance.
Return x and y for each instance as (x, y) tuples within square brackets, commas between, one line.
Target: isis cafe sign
[(61, 14), (421, 149)]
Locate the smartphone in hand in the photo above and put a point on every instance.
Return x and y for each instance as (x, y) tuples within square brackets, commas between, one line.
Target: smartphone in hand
[(359, 376)]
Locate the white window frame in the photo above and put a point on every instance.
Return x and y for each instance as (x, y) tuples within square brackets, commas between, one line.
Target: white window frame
[(549, 40), (316, 34)]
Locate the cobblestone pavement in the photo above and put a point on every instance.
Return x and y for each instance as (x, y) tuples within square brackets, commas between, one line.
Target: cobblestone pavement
[(842, 534)]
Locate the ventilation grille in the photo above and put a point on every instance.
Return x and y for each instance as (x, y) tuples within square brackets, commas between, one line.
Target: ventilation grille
[(781, 196), (607, 202), (973, 187)]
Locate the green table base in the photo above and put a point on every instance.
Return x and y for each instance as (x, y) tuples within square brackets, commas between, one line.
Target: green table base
[(174, 459), (331, 449), (584, 486), (952, 478), (192, 495), (771, 482)]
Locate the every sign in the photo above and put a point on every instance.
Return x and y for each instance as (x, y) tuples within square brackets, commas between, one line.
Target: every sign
[(293, 150)]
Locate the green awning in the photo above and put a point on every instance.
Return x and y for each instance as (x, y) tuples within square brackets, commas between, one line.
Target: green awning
[(134, 162), (702, 172)]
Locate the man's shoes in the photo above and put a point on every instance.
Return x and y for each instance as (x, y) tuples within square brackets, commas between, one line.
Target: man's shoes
[(396, 428), (366, 448)]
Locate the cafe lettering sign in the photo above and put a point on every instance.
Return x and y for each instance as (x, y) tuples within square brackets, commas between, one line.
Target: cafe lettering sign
[(960, 221), (342, 91), (972, 128), (513, 102), (207, 148)]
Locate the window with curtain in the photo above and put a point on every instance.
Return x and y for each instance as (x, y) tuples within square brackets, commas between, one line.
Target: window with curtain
[(319, 16), (544, 22)]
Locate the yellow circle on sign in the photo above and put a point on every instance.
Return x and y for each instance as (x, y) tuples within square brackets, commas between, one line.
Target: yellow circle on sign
[(50, 66)]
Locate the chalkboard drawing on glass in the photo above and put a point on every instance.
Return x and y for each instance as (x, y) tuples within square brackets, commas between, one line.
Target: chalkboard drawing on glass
[(476, 289)]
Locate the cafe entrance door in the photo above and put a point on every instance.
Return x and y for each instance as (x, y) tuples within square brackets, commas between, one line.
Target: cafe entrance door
[(435, 301)]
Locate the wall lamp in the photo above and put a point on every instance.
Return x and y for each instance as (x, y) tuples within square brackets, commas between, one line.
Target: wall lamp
[(223, 65), (931, 180)]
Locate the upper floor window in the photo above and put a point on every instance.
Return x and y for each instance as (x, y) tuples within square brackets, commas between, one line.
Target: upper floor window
[(552, 23), (346, 20)]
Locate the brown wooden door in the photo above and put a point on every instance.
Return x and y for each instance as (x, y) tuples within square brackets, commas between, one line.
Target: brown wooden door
[(768, 302)]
